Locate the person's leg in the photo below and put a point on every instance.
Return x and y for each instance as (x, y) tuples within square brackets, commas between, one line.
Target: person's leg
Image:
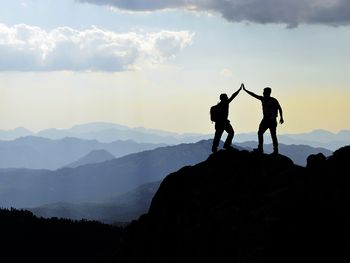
[(273, 128), (218, 133), (228, 128), (262, 129)]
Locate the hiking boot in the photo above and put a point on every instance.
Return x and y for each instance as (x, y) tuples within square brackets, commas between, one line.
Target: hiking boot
[(258, 150)]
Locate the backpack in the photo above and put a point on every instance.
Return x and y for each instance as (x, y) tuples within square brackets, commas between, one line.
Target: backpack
[(215, 113)]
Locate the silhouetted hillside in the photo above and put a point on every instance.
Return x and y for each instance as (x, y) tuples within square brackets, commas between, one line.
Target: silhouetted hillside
[(26, 238), (239, 206)]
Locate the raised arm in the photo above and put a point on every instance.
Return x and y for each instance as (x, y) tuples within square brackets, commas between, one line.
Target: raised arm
[(234, 94), (251, 93)]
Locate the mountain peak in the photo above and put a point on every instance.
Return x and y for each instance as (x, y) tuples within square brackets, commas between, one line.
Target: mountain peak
[(219, 170), (239, 206)]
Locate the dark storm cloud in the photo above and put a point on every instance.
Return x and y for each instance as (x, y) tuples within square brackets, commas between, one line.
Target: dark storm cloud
[(290, 12)]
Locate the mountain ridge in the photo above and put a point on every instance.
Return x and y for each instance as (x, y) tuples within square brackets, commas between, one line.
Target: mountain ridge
[(95, 156)]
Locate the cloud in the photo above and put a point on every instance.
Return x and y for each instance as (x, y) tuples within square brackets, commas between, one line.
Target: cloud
[(226, 73), (290, 12), (30, 48)]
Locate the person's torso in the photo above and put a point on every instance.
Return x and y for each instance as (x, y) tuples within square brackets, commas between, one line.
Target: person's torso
[(224, 110), (270, 107)]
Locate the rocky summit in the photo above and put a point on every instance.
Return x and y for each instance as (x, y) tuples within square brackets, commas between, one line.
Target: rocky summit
[(240, 206)]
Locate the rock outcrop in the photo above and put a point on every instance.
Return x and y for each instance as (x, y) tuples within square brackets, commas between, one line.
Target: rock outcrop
[(239, 206)]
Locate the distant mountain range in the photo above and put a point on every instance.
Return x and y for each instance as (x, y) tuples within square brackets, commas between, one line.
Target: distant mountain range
[(109, 132), (15, 133), (131, 205), (316, 138), (33, 152), (42, 153), (96, 182)]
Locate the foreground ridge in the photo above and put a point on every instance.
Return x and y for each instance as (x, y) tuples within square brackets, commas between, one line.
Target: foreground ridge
[(240, 206)]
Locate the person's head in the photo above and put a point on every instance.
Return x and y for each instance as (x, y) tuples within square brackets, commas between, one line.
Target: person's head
[(267, 92), (223, 97)]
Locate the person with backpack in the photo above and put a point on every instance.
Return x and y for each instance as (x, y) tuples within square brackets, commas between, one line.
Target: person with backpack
[(271, 108), (219, 115)]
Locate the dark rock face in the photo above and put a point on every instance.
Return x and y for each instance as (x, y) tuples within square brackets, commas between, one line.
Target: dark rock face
[(239, 206)]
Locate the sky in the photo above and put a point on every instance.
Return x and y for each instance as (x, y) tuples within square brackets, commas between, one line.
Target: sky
[(162, 63)]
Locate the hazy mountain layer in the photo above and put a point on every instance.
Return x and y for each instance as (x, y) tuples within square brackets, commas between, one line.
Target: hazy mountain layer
[(96, 182), (122, 208), (42, 153), (109, 132), (95, 156)]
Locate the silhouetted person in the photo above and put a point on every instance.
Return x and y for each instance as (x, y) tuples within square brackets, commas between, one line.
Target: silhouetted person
[(222, 123), (271, 108)]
